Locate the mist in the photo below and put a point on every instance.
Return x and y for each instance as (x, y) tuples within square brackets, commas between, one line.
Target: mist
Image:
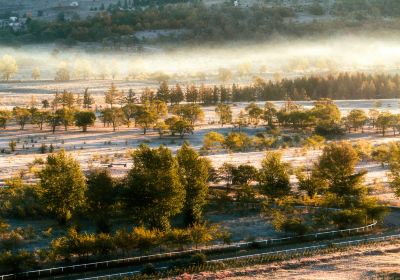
[(287, 58)]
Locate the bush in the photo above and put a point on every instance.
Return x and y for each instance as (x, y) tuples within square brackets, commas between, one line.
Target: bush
[(198, 259), (16, 262), (295, 226), (149, 269), (331, 131), (346, 218)]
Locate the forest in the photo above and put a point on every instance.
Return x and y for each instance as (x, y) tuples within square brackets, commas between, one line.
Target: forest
[(201, 23)]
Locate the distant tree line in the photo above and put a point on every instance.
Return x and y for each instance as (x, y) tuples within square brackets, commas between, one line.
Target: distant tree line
[(215, 23)]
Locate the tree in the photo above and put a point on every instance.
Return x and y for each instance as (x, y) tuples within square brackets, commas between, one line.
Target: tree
[(13, 145), (36, 73), (22, 116), (88, 100), (45, 104), (53, 121), (163, 92), (254, 112), (224, 75), (113, 116), (66, 99), (383, 122), (113, 96), (84, 119), (62, 186), (8, 67), (5, 116), (101, 197), (146, 116), (181, 127), (269, 113), (224, 113), (131, 98), (213, 140), (325, 112), (66, 117), (244, 174), (373, 115), (309, 182), (193, 172), (153, 191), (274, 176), (394, 166), (63, 73), (235, 141), (357, 118), (176, 95), (40, 117), (189, 112), (161, 128), (336, 167)]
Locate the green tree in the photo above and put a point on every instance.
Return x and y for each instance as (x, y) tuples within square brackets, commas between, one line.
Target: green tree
[(162, 128), (181, 127), (213, 140), (66, 117), (40, 117), (176, 95), (101, 194), (357, 119), (336, 167), (254, 112), (88, 100), (163, 92), (113, 96), (84, 119), (5, 116), (309, 182), (235, 141), (274, 176), (54, 120), (194, 176), (146, 116), (22, 116), (62, 186), (224, 113), (114, 116), (153, 191), (244, 174), (189, 112), (269, 113), (383, 122)]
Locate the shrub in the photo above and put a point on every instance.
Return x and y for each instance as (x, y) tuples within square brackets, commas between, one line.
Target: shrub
[(149, 269), (198, 259)]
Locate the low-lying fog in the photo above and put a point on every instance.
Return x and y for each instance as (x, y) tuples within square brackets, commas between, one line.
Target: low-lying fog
[(286, 58)]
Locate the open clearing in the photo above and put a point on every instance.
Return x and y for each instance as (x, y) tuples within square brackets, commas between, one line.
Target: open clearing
[(100, 146)]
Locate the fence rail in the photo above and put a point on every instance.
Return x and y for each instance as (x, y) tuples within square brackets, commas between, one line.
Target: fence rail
[(288, 251), (147, 258), (298, 250)]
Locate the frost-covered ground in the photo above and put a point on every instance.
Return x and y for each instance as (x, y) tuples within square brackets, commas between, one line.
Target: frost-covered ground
[(371, 262), (101, 146)]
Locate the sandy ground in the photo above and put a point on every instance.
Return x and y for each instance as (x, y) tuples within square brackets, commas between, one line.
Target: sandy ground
[(359, 263)]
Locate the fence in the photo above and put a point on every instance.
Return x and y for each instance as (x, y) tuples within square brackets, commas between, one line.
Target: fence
[(274, 253), (160, 256), (299, 250)]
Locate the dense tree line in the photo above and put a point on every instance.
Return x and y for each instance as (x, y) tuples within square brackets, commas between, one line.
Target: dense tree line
[(334, 86), (201, 23)]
